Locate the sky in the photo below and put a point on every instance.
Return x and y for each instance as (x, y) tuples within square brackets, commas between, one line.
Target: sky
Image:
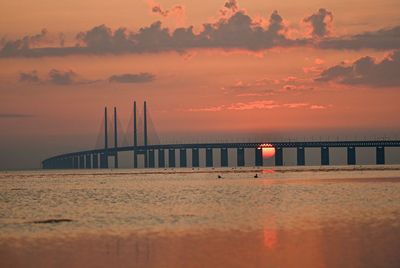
[(209, 70)]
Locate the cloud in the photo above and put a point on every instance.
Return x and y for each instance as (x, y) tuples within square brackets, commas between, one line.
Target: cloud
[(31, 77), (232, 4), (238, 31), (69, 77), (176, 12), (235, 31), (14, 116), (63, 78), (366, 71), (132, 78), (55, 77), (383, 39), (320, 22), (266, 86), (259, 105), (27, 44)]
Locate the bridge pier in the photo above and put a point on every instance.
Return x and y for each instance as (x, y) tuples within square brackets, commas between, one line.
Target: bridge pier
[(351, 155), (301, 156), (209, 157), (259, 157), (171, 158), (224, 157), (240, 157), (278, 156), (71, 162), (103, 160), (182, 158), (81, 161), (161, 158), (95, 161), (324, 156), (88, 161), (195, 157), (76, 162), (152, 162), (135, 159), (380, 155)]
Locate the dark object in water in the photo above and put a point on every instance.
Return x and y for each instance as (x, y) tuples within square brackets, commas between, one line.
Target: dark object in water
[(219, 177), (52, 221), (256, 176)]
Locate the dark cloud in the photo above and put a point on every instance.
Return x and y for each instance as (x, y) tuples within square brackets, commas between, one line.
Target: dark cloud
[(384, 39), (27, 42), (65, 78), (31, 77), (58, 77), (236, 31), (156, 8), (366, 71), (14, 115), (132, 78), (320, 22), (232, 5)]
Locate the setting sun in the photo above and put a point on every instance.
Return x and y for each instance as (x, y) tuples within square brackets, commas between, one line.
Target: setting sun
[(268, 150)]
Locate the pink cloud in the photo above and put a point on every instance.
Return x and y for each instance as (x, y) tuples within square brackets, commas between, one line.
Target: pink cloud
[(259, 105)]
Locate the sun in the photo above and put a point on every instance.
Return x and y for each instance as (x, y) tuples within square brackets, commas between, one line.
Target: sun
[(268, 150)]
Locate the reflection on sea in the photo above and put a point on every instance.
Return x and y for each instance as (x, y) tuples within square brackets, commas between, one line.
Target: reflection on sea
[(307, 218)]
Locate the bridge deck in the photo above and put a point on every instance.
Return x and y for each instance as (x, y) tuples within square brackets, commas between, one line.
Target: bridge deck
[(287, 144)]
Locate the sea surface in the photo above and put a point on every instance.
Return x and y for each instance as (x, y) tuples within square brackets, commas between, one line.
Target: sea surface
[(335, 216)]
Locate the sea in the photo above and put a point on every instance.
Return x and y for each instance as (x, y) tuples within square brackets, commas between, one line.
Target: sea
[(333, 216)]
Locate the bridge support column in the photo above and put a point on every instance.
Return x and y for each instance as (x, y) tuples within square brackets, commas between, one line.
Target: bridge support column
[(209, 157), (182, 158), (195, 157), (324, 156), (88, 160), (116, 165), (259, 157), (351, 155), (82, 161), (152, 163), (76, 162), (95, 161), (224, 157), (135, 159), (161, 158), (103, 160), (278, 156), (301, 156), (380, 155), (171, 158), (240, 157), (63, 163), (69, 162)]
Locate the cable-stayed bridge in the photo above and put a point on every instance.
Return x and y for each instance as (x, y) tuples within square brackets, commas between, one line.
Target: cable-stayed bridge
[(156, 155)]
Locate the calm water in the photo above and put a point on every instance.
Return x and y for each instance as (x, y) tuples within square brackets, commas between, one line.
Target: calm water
[(272, 216)]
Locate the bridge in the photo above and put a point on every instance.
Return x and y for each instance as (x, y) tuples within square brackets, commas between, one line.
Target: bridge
[(154, 155)]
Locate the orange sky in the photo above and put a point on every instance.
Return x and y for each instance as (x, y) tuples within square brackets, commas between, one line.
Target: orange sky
[(198, 89)]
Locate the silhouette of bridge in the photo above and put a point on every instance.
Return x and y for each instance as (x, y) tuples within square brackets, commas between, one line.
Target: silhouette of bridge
[(154, 155)]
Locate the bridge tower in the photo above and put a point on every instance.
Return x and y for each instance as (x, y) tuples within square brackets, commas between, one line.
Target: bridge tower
[(135, 142), (146, 164), (115, 139), (145, 152), (105, 154)]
